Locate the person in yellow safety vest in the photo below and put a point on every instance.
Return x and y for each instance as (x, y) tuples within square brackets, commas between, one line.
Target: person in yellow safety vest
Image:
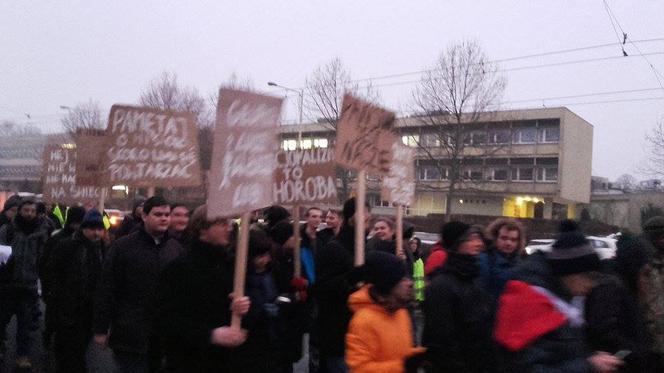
[(413, 255)]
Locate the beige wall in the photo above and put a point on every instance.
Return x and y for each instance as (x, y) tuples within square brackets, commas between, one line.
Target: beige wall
[(575, 160)]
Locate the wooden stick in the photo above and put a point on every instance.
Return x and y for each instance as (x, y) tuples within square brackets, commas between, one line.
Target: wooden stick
[(241, 265), (102, 200), (359, 217), (151, 191), (297, 266), (400, 251)]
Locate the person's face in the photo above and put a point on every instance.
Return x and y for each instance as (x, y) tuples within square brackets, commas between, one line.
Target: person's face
[(578, 283), (10, 213), (473, 246), (507, 241), (179, 218), (217, 234), (332, 220), (261, 262), (403, 292), (412, 245), (314, 218), (28, 211), (383, 231), (158, 219), (93, 234)]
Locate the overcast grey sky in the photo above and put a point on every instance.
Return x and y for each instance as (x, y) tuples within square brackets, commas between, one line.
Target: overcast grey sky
[(61, 53)]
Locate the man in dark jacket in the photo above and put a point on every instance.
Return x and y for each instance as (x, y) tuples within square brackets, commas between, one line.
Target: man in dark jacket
[(539, 324), (336, 279), (9, 209), (508, 240), (457, 311), (132, 222), (124, 302), (18, 282), (75, 268)]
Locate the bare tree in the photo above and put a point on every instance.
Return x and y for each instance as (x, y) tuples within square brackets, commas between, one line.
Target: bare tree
[(655, 143), (626, 182), (323, 92), (85, 115), (452, 99)]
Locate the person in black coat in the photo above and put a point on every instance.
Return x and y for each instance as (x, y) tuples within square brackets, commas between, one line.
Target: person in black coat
[(336, 279), (124, 304), (457, 311), (612, 309), (194, 304), (133, 221), (75, 268)]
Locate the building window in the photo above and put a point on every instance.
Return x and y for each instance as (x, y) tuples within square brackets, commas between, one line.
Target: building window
[(475, 138), (320, 143), (522, 173), (549, 135), (499, 136), (474, 174), (497, 174), (433, 173), (430, 140), (525, 136), (289, 144), (410, 140), (547, 174), (306, 144)]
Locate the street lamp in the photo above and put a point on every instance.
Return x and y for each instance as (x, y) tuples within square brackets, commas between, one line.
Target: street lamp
[(300, 93)]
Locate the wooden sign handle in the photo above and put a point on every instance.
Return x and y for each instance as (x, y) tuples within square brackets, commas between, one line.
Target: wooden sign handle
[(297, 265), (241, 266), (151, 191), (359, 217), (400, 253)]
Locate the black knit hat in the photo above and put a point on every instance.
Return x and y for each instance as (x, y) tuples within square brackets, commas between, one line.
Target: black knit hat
[(274, 214), (92, 220), (281, 232), (454, 233), (12, 201), (384, 271), (259, 244), (654, 228), (572, 252), (349, 208), (75, 215), (631, 255)]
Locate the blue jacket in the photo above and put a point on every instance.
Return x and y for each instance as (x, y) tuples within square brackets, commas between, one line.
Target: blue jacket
[(495, 270)]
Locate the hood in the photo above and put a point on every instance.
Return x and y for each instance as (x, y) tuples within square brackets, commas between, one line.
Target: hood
[(361, 299)]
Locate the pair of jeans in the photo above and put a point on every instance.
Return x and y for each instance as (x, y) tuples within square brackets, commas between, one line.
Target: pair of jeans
[(25, 306)]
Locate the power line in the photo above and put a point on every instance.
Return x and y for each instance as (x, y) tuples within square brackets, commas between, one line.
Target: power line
[(612, 101), (585, 95)]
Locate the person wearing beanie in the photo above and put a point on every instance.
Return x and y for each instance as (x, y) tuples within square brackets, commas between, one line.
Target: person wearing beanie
[(72, 223), (379, 337), (540, 312), (336, 279), (613, 312), (76, 266), (9, 209), (449, 233), (457, 311)]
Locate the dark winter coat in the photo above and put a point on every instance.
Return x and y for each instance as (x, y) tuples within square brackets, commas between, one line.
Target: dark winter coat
[(335, 281), (325, 236), (46, 263), (193, 299), (615, 323), (495, 270), (534, 335), (126, 292), (21, 271), (458, 319), (130, 224), (75, 268)]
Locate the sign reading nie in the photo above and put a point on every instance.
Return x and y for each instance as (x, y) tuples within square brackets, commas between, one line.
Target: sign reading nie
[(60, 177), (364, 136), (148, 147), (399, 184), (305, 176), (243, 159)]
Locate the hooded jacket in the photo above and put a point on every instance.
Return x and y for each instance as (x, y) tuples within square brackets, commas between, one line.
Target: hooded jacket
[(377, 341), (22, 268)]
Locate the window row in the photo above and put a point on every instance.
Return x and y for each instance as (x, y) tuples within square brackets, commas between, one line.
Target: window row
[(292, 144), (513, 173), (527, 135)]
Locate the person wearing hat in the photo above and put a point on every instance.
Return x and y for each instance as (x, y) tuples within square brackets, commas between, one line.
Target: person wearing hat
[(457, 311), (449, 232), (380, 335), (9, 209), (540, 322), (336, 279), (653, 232), (76, 265)]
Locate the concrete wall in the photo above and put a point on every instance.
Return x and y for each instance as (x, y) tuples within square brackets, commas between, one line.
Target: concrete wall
[(575, 159), (623, 210)]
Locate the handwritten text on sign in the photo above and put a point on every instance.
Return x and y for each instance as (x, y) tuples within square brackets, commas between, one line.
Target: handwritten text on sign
[(243, 161), (149, 147), (364, 136), (399, 184), (305, 177), (60, 177)]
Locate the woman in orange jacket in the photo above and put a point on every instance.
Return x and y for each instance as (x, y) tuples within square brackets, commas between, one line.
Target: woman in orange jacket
[(380, 337)]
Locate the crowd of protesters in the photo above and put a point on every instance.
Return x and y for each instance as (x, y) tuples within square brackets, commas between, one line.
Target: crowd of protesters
[(158, 292)]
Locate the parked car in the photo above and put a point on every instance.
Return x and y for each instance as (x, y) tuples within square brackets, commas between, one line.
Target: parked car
[(604, 246)]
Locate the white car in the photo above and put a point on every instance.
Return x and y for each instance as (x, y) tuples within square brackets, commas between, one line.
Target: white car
[(605, 247)]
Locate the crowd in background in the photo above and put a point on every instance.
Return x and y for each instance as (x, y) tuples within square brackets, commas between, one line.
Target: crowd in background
[(158, 292)]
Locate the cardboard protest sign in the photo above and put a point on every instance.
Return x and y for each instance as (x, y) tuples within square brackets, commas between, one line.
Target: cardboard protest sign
[(90, 145), (243, 159), (305, 176), (364, 136), (399, 184), (60, 184), (148, 147)]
